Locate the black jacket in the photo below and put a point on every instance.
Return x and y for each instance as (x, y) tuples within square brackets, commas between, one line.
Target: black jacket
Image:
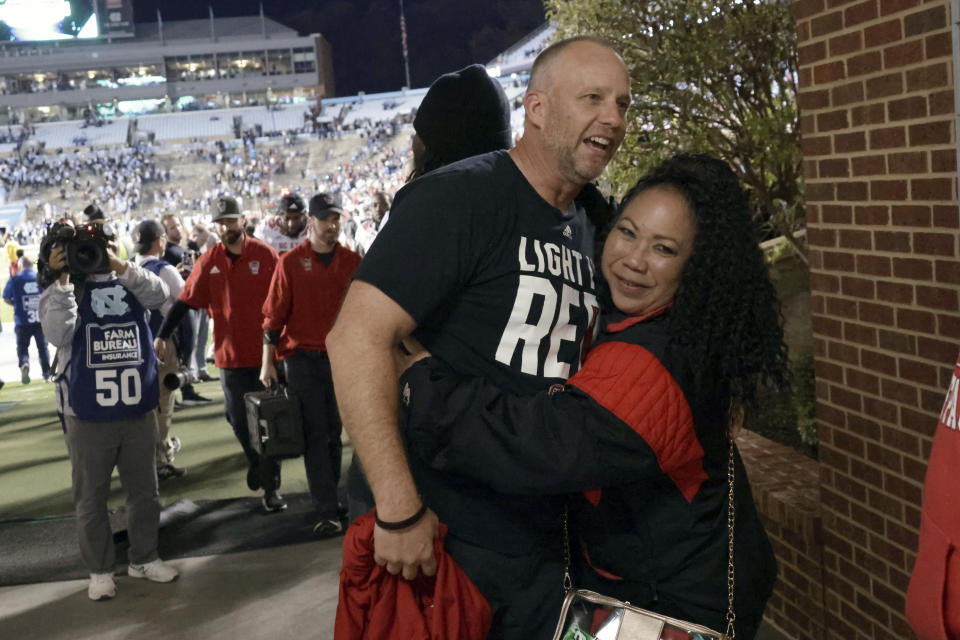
[(642, 446)]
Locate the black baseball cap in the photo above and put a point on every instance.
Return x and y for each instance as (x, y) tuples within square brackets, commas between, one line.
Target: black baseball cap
[(93, 213), (291, 204), (323, 204), (145, 234), (226, 207)]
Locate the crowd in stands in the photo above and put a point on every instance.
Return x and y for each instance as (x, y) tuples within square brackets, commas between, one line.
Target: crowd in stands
[(113, 177), (131, 185)]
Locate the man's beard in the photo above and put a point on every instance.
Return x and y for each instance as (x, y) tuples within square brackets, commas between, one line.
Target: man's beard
[(231, 236)]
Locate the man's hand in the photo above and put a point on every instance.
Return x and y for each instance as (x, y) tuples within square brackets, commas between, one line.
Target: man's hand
[(268, 374), (410, 550), (268, 370), (58, 262), (119, 266), (161, 346)]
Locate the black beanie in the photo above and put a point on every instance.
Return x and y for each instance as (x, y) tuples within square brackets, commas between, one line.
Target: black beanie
[(463, 114)]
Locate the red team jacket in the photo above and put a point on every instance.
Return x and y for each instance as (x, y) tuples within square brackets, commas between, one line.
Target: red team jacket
[(933, 598), (375, 605), (314, 290), (233, 293)]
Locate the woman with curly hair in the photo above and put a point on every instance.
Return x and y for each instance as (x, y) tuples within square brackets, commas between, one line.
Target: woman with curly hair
[(641, 435)]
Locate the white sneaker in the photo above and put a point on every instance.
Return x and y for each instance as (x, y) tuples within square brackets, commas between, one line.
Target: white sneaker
[(157, 571), (102, 586)]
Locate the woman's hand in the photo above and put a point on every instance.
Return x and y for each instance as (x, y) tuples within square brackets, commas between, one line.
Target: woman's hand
[(408, 352)]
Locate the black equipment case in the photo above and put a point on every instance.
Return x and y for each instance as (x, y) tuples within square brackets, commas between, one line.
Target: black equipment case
[(274, 421)]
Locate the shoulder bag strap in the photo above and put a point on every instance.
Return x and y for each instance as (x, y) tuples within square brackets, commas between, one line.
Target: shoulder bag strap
[(731, 518)]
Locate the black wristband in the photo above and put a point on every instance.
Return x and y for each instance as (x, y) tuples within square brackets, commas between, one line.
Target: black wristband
[(403, 524)]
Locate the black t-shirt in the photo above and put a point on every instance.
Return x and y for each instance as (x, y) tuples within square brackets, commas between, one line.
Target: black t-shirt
[(502, 285)]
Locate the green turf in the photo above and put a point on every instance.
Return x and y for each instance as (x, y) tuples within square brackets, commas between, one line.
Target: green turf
[(36, 470)]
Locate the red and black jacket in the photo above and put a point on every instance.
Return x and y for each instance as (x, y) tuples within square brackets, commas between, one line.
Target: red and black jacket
[(641, 443)]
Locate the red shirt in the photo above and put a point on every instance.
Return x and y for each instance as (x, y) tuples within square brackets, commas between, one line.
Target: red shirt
[(233, 293), (305, 296), (933, 597)]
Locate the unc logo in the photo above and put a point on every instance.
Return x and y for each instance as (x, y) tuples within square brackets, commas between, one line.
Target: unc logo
[(31, 287), (109, 301)]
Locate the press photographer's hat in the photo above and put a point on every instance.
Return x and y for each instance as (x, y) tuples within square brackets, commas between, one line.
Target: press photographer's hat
[(323, 204), (93, 213), (145, 234), (225, 207)]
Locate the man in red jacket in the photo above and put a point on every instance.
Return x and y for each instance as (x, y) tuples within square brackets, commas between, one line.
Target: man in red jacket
[(305, 295), (933, 598), (231, 281)]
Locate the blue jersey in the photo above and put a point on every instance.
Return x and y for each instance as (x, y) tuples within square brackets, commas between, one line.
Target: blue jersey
[(113, 368), (154, 265), (23, 290)]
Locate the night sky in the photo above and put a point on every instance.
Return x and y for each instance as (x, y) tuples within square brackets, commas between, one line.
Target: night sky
[(442, 35)]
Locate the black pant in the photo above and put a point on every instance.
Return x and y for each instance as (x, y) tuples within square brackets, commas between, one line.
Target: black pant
[(24, 332), (235, 383), (307, 374)]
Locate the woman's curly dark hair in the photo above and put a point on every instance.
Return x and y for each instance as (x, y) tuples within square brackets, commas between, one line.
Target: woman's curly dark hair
[(725, 314)]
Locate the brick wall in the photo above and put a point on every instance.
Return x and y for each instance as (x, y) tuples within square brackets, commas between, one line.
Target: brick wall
[(877, 113), (786, 489)]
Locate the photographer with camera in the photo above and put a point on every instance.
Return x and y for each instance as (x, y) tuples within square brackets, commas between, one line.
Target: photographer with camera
[(231, 281), (149, 242), (106, 381)]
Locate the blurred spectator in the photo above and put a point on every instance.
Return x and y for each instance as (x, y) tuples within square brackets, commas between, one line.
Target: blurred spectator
[(288, 228), (23, 293), (150, 242)]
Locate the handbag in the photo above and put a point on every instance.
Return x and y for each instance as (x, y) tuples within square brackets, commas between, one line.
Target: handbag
[(587, 615)]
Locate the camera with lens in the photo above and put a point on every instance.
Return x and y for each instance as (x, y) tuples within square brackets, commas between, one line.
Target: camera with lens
[(177, 379), (86, 248)]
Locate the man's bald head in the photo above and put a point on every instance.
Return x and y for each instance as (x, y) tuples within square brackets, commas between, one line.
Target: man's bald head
[(544, 65)]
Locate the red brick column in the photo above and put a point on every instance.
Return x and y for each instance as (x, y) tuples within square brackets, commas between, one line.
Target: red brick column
[(877, 113)]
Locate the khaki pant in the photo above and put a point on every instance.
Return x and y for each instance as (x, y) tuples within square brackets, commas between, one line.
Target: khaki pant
[(95, 448), (165, 411)]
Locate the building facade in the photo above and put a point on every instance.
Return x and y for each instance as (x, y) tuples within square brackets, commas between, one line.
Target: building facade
[(165, 66)]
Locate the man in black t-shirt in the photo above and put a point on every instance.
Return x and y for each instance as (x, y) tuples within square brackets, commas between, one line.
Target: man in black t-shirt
[(488, 263)]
